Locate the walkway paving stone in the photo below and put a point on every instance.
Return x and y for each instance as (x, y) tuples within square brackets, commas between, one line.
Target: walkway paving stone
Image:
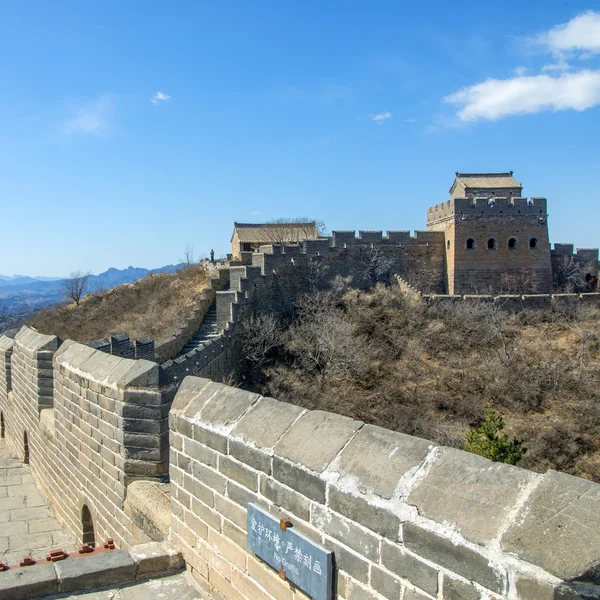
[(174, 587), (28, 526)]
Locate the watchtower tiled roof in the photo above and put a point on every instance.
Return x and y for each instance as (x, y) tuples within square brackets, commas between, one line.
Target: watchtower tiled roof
[(483, 181), (269, 233)]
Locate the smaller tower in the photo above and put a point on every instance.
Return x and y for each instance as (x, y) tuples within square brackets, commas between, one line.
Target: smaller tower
[(495, 241)]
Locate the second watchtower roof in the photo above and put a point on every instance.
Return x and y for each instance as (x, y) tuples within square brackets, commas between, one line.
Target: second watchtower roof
[(483, 181)]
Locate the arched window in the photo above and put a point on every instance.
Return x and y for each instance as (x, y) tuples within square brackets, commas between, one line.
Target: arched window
[(470, 244), (512, 242), (87, 526), (448, 244), (533, 243), (25, 448), (492, 244)]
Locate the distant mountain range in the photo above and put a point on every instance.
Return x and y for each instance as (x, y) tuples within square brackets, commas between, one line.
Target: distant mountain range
[(21, 294)]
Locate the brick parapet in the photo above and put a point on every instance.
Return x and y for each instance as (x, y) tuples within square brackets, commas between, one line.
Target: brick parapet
[(399, 512), (93, 423)]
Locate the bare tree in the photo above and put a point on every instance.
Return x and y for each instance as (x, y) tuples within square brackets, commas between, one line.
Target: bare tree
[(74, 286), (188, 256)]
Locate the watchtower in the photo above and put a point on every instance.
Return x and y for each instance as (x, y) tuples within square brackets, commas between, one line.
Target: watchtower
[(495, 240)]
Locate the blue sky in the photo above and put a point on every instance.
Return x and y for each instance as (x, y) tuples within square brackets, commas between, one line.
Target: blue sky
[(130, 129)]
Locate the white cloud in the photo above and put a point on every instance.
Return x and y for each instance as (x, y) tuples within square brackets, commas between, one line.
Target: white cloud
[(381, 118), (497, 98), (160, 97), (90, 118), (580, 34), (520, 71), (411, 120), (561, 65)]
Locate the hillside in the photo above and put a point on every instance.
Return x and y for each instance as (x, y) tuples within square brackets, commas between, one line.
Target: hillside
[(390, 359), (20, 295), (150, 307)]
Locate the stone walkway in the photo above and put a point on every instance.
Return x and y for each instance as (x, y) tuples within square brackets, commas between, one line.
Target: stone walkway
[(175, 587), (27, 523)]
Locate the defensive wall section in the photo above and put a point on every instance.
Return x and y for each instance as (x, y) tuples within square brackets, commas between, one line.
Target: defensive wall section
[(89, 424), (402, 515)]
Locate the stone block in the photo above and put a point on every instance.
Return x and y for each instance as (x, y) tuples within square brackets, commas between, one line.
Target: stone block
[(328, 433), (252, 457), (376, 459), (454, 589), (385, 583), (268, 420), (156, 558), (29, 582), (285, 497), (472, 493), (143, 373), (190, 389), (454, 557), (409, 567), (373, 517), (346, 532), (347, 561), (238, 472), (87, 572), (302, 481), (226, 405), (548, 532)]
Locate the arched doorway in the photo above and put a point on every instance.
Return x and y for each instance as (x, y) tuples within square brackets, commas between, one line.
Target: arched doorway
[(87, 526), (25, 448)]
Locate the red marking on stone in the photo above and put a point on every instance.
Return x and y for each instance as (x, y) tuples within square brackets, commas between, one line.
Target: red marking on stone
[(56, 555), (282, 574), (109, 544), (4, 567), (27, 562), (85, 549)]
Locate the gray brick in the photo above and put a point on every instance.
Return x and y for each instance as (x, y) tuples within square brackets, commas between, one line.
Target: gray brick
[(285, 497), (238, 472), (408, 567), (361, 541), (347, 561), (459, 559), (454, 589), (200, 452), (385, 583), (252, 457), (210, 438), (305, 483), (210, 478), (357, 509)]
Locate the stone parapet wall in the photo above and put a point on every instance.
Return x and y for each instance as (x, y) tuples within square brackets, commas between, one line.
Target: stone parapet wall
[(92, 422), (171, 347), (404, 517), (515, 302)]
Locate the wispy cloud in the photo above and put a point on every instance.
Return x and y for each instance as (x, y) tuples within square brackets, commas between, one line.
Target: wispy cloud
[(92, 118), (160, 97), (580, 35), (411, 120), (497, 98), (558, 87), (381, 118)]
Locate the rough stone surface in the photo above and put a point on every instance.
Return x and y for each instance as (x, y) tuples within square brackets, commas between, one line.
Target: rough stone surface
[(266, 422), (376, 458), (328, 433), (469, 492), (95, 571), (563, 509), (30, 582), (156, 558)]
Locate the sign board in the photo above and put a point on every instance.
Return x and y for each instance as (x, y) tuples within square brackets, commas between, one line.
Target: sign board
[(304, 563)]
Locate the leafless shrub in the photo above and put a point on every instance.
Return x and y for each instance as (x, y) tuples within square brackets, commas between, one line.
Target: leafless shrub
[(75, 286)]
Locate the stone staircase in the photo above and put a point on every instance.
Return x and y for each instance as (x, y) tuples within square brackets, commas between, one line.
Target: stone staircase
[(208, 331)]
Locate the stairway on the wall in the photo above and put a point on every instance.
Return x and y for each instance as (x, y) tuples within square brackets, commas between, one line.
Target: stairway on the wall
[(207, 332)]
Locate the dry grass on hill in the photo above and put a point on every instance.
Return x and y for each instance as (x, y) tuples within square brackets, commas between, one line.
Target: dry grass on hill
[(151, 307), (387, 359)]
